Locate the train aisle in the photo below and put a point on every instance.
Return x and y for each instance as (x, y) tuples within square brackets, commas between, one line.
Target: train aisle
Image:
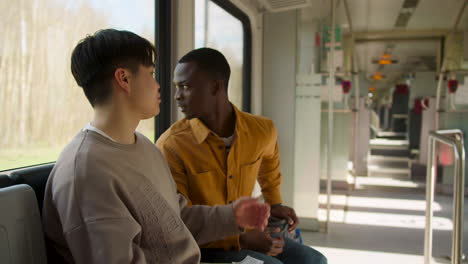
[(382, 221)]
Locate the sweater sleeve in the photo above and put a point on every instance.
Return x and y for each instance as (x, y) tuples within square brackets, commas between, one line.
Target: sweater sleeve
[(208, 223), (106, 241), (94, 208)]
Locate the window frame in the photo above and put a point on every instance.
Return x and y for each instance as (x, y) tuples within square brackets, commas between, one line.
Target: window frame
[(247, 51), (163, 42)]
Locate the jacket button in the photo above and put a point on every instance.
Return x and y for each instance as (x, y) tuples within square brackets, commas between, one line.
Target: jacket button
[(230, 177)]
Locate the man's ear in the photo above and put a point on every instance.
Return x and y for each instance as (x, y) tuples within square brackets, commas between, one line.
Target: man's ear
[(122, 78), (217, 87)]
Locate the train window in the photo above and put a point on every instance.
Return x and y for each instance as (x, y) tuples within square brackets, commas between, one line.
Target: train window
[(41, 106), (222, 26)]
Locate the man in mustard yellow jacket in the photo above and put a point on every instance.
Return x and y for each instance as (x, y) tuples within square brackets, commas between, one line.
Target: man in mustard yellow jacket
[(217, 153)]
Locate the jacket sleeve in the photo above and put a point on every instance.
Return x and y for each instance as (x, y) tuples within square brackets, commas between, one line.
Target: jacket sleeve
[(177, 169), (269, 175)]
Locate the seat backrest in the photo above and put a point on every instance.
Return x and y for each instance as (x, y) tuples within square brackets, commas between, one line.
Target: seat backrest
[(5, 181), (414, 130), (400, 104), (21, 236), (36, 177)]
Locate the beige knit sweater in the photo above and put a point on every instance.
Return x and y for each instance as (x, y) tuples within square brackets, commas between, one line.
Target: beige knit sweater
[(111, 203)]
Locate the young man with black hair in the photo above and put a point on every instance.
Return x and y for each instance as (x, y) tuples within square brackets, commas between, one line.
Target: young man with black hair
[(217, 153), (110, 197)]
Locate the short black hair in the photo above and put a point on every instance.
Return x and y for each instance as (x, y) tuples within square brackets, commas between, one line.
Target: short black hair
[(210, 61), (96, 57)]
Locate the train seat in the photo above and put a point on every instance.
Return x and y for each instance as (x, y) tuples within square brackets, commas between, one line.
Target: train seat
[(21, 236), (23, 195), (36, 177), (6, 181)]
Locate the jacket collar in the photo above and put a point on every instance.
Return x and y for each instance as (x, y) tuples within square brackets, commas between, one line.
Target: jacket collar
[(201, 132)]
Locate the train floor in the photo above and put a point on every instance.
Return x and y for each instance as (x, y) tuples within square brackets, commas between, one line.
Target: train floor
[(382, 221)]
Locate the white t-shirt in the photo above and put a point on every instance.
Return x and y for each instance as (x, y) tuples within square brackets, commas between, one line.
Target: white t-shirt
[(228, 141), (90, 127)]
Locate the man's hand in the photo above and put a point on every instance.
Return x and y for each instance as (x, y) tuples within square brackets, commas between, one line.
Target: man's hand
[(249, 213), (261, 242), (287, 213)]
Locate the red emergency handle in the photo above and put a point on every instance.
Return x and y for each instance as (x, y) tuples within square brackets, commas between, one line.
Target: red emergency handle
[(346, 86), (452, 86)]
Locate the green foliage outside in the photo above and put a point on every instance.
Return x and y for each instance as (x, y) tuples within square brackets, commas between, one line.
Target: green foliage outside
[(41, 107)]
